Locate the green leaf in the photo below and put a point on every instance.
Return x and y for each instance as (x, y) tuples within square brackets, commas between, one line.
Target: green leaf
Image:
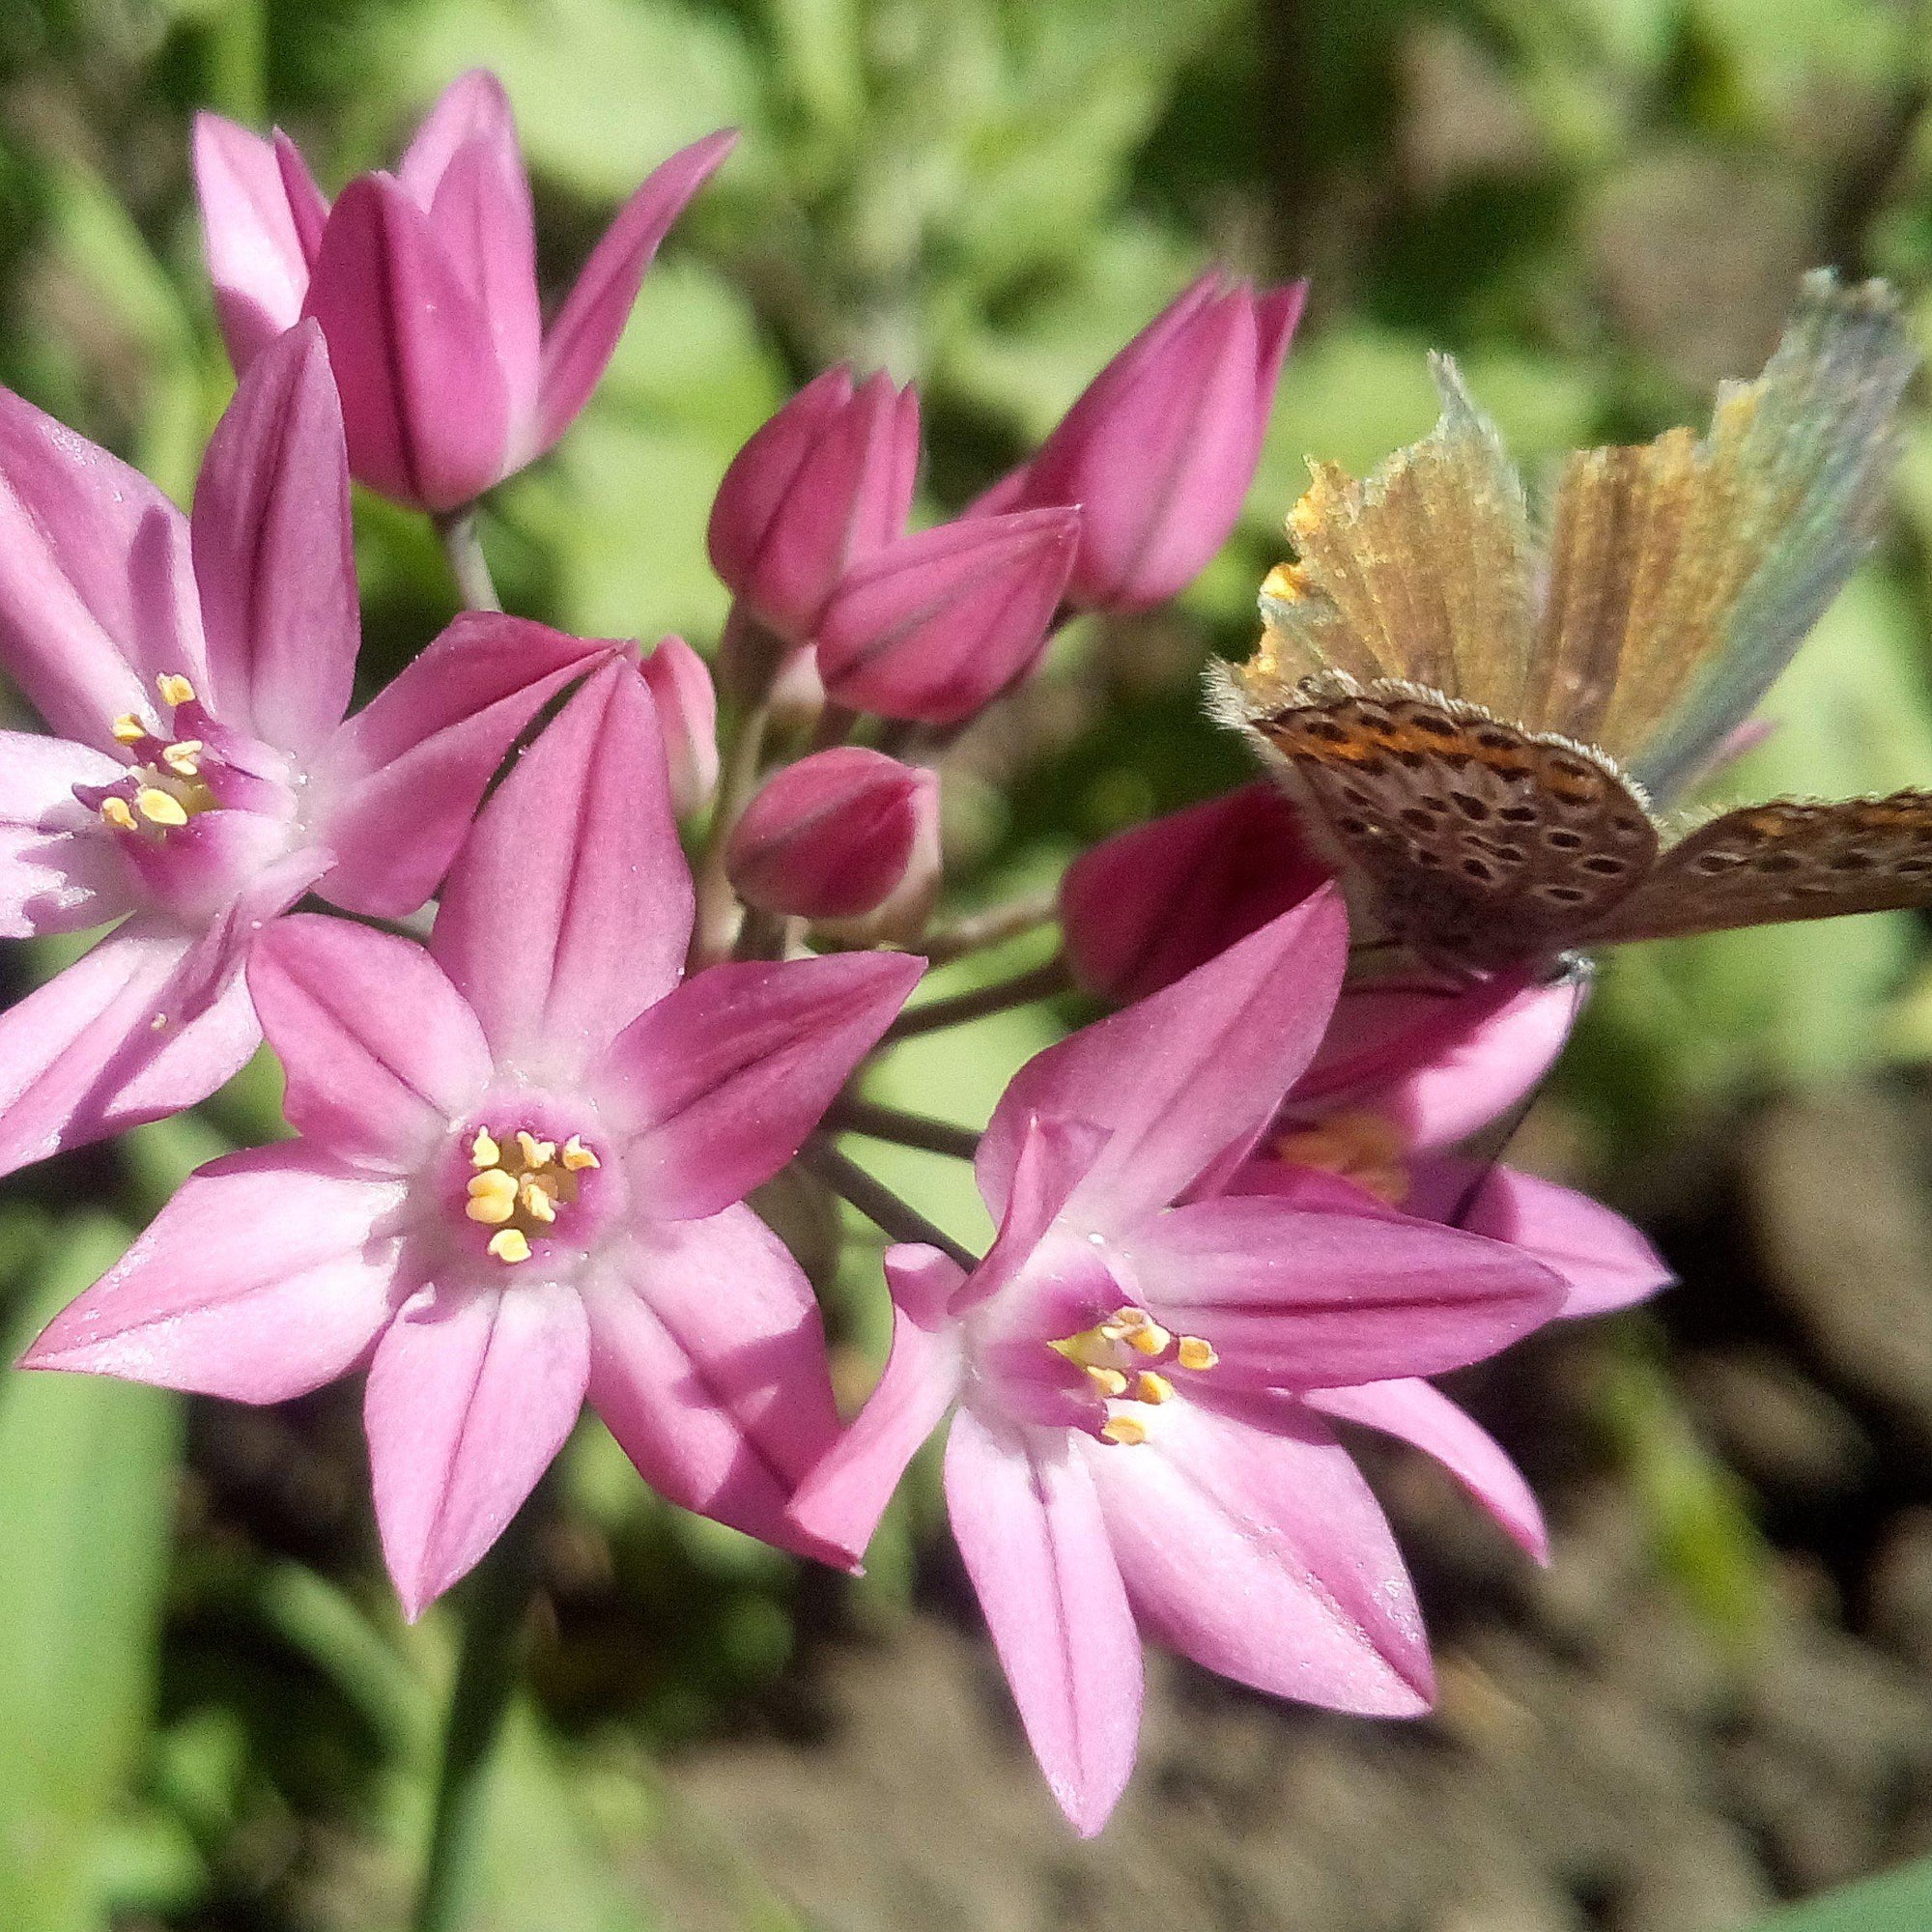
[(87, 1477), (1896, 1901)]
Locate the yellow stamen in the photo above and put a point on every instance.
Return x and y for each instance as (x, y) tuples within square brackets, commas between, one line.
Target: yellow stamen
[(509, 1245), (1109, 1381), (1125, 1430), (1195, 1353), (577, 1157), (115, 811), (1151, 1340), (1360, 1146), (160, 808), (129, 729), (535, 1152), (174, 688), (1124, 1322), (184, 757), (483, 1151), (493, 1197), (537, 1202), (1150, 1387)]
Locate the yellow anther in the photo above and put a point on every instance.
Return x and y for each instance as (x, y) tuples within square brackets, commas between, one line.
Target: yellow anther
[(129, 729), (1124, 1322), (159, 808), (483, 1151), (174, 688), (184, 757), (537, 1202), (1149, 1340), (1150, 1387), (535, 1152), (115, 811), (1109, 1381), (493, 1197), (1121, 1428), (1195, 1353), (1360, 1146), (577, 1157), (509, 1245)]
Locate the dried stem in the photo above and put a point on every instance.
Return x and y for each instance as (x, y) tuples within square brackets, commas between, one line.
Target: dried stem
[(1042, 983), (877, 1202), (851, 1115)]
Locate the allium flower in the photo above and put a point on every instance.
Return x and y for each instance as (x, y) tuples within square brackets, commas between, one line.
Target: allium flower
[(198, 668), (938, 625), (521, 1175), (1149, 904), (825, 484), (1126, 1374), (425, 284), (1409, 1070), (836, 834), (1160, 448)]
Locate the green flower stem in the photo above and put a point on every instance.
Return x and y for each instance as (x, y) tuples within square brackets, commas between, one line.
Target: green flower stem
[(493, 1606), (976, 931), (463, 548), (1041, 984), (850, 1116), (877, 1202)]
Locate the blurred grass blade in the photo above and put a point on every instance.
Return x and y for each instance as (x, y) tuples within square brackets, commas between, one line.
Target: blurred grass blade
[(87, 1477)]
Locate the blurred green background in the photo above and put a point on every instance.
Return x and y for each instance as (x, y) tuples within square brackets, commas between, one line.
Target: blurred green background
[(210, 1715)]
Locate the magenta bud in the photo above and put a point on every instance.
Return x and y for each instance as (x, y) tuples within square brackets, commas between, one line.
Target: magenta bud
[(825, 484), (1149, 905), (939, 625), (680, 681), (1161, 447), (834, 836)]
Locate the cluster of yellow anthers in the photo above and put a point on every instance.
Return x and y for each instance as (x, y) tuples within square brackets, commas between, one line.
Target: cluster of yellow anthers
[(519, 1185), (1106, 1355), (170, 791), (1368, 1148)]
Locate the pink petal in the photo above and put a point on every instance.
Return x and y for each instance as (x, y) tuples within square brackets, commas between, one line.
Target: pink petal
[(687, 702), (707, 1363), (308, 206), (255, 255), (839, 1503), (1440, 1062), (579, 342), (61, 869), (472, 105), (723, 1079), (273, 553), (472, 1393), (1605, 1262), (1298, 1299), (759, 480), (149, 1021), (378, 1050), (268, 1274), (1186, 1074), (1055, 1157), (1149, 904), (1424, 1416), (423, 397), (1250, 1543), (97, 591), (937, 625), (397, 788), (570, 906), (1026, 1514), (482, 218)]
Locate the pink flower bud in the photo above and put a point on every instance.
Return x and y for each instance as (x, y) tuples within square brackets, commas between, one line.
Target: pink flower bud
[(834, 836), (680, 682), (939, 625), (823, 485), (1149, 905), (425, 284), (1160, 449)]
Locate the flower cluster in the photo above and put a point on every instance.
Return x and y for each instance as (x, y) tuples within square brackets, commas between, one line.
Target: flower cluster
[(1230, 1214)]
